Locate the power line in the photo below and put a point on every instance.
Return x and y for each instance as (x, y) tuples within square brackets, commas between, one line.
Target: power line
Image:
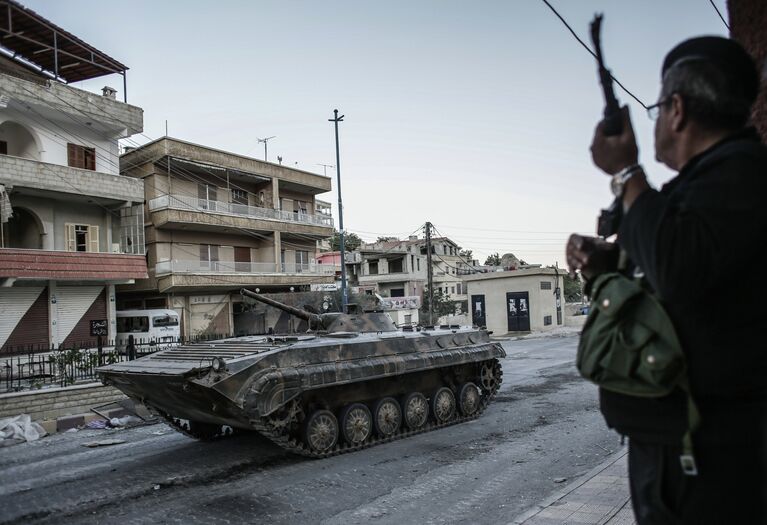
[(591, 52), (720, 15)]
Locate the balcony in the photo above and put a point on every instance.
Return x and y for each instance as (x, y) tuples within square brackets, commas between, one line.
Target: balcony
[(21, 172), (188, 274), (218, 214), (23, 264)]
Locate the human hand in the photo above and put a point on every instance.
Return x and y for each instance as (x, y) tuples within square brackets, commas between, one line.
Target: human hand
[(612, 154), (590, 255)]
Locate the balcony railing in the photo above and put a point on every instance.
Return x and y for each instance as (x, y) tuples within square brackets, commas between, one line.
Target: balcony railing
[(192, 266), (185, 202)]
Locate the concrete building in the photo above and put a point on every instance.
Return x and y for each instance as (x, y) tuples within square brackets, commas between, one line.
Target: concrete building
[(218, 221), (71, 227), (391, 269), (516, 301)]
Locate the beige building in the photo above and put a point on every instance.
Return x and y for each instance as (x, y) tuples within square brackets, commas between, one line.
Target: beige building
[(391, 269), (216, 222), (526, 300)]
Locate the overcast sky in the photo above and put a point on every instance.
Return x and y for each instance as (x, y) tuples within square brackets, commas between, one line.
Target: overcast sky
[(476, 116)]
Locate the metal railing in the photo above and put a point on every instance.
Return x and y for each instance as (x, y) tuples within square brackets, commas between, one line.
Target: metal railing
[(185, 202), (193, 266), (33, 367)]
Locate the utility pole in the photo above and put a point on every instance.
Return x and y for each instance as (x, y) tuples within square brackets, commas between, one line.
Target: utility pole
[(429, 275), (344, 295), (267, 139)]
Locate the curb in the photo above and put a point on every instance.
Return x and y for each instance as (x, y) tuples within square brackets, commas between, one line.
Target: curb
[(571, 487)]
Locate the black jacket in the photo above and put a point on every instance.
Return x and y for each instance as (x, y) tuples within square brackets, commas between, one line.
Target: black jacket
[(701, 242)]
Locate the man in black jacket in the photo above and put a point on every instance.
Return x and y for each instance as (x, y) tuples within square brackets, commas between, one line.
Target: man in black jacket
[(699, 242)]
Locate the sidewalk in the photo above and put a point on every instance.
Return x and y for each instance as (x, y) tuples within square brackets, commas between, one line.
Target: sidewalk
[(600, 497)]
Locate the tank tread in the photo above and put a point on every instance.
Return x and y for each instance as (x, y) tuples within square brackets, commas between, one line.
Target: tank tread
[(292, 445), (186, 429)]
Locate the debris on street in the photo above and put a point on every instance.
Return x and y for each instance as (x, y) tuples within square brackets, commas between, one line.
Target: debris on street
[(20, 428)]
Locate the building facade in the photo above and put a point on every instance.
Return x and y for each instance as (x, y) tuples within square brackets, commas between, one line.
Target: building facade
[(217, 222), (528, 300), (71, 227)]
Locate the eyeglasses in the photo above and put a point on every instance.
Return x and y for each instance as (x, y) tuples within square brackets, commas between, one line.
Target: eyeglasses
[(654, 111)]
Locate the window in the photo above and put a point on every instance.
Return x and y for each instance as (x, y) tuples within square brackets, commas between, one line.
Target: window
[(165, 320), (397, 292), (239, 196), (81, 157), (127, 325), (412, 262), (395, 266), (545, 285), (408, 318), (418, 264), (208, 257), (3, 147), (546, 320), (302, 260), (459, 287), (81, 237), (373, 268), (452, 289)]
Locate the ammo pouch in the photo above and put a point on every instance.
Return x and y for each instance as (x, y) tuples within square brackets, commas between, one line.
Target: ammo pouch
[(628, 345)]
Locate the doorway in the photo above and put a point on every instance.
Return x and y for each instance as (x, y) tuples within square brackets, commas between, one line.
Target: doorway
[(478, 312), (518, 311)]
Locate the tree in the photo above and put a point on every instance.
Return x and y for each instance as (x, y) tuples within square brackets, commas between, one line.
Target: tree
[(466, 254), (442, 306), (573, 289), (493, 260), (386, 239), (352, 241)]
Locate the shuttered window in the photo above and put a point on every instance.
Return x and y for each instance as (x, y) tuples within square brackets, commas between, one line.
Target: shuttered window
[(81, 157), (81, 237)]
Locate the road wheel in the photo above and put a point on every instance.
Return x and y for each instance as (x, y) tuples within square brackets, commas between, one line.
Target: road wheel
[(468, 399), (387, 417), (489, 376), (416, 410), (356, 423), (443, 405), (321, 431)]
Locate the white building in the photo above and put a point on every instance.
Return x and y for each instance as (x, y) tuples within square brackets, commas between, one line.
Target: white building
[(526, 300), (71, 226)]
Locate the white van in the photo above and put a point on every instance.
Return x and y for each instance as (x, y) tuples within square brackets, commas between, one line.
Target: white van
[(153, 327)]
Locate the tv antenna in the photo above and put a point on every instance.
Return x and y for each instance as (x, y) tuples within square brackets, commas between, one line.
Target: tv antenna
[(325, 168), (267, 139)]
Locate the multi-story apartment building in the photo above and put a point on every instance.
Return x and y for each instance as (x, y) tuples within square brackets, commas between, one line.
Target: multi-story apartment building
[(398, 268), (216, 222), (391, 269), (71, 225)]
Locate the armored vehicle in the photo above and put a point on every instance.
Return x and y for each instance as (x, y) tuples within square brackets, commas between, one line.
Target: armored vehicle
[(351, 381)]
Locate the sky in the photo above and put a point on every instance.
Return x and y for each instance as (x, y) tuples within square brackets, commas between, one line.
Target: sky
[(474, 116)]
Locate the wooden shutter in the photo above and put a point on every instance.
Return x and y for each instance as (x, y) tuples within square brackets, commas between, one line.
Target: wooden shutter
[(71, 154), (93, 238), (89, 158), (69, 238)]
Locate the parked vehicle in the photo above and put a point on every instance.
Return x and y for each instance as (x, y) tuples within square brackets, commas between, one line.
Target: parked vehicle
[(155, 327)]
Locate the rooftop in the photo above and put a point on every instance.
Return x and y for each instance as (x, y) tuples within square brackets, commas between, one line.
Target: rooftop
[(37, 41)]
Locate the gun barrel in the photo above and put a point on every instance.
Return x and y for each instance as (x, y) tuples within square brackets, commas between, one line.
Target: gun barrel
[(298, 312)]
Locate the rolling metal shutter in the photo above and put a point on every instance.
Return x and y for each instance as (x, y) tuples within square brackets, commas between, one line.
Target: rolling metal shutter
[(23, 317), (72, 305)]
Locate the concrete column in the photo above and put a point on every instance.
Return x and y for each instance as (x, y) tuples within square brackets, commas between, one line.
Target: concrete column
[(111, 315), (277, 250), (53, 314), (109, 232), (276, 194)]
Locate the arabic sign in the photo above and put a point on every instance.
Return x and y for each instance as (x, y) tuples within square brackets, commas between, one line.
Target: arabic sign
[(98, 327), (401, 303)]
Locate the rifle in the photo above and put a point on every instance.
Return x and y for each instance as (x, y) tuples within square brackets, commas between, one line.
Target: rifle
[(609, 218)]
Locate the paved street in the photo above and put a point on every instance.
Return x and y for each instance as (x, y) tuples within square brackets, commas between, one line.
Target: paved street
[(543, 430)]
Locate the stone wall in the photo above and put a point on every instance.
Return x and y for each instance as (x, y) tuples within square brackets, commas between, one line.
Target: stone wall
[(54, 403)]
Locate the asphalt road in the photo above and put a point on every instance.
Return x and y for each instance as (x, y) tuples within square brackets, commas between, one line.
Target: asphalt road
[(543, 429)]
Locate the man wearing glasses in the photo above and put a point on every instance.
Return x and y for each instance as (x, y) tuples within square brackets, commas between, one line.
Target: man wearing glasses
[(698, 241)]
